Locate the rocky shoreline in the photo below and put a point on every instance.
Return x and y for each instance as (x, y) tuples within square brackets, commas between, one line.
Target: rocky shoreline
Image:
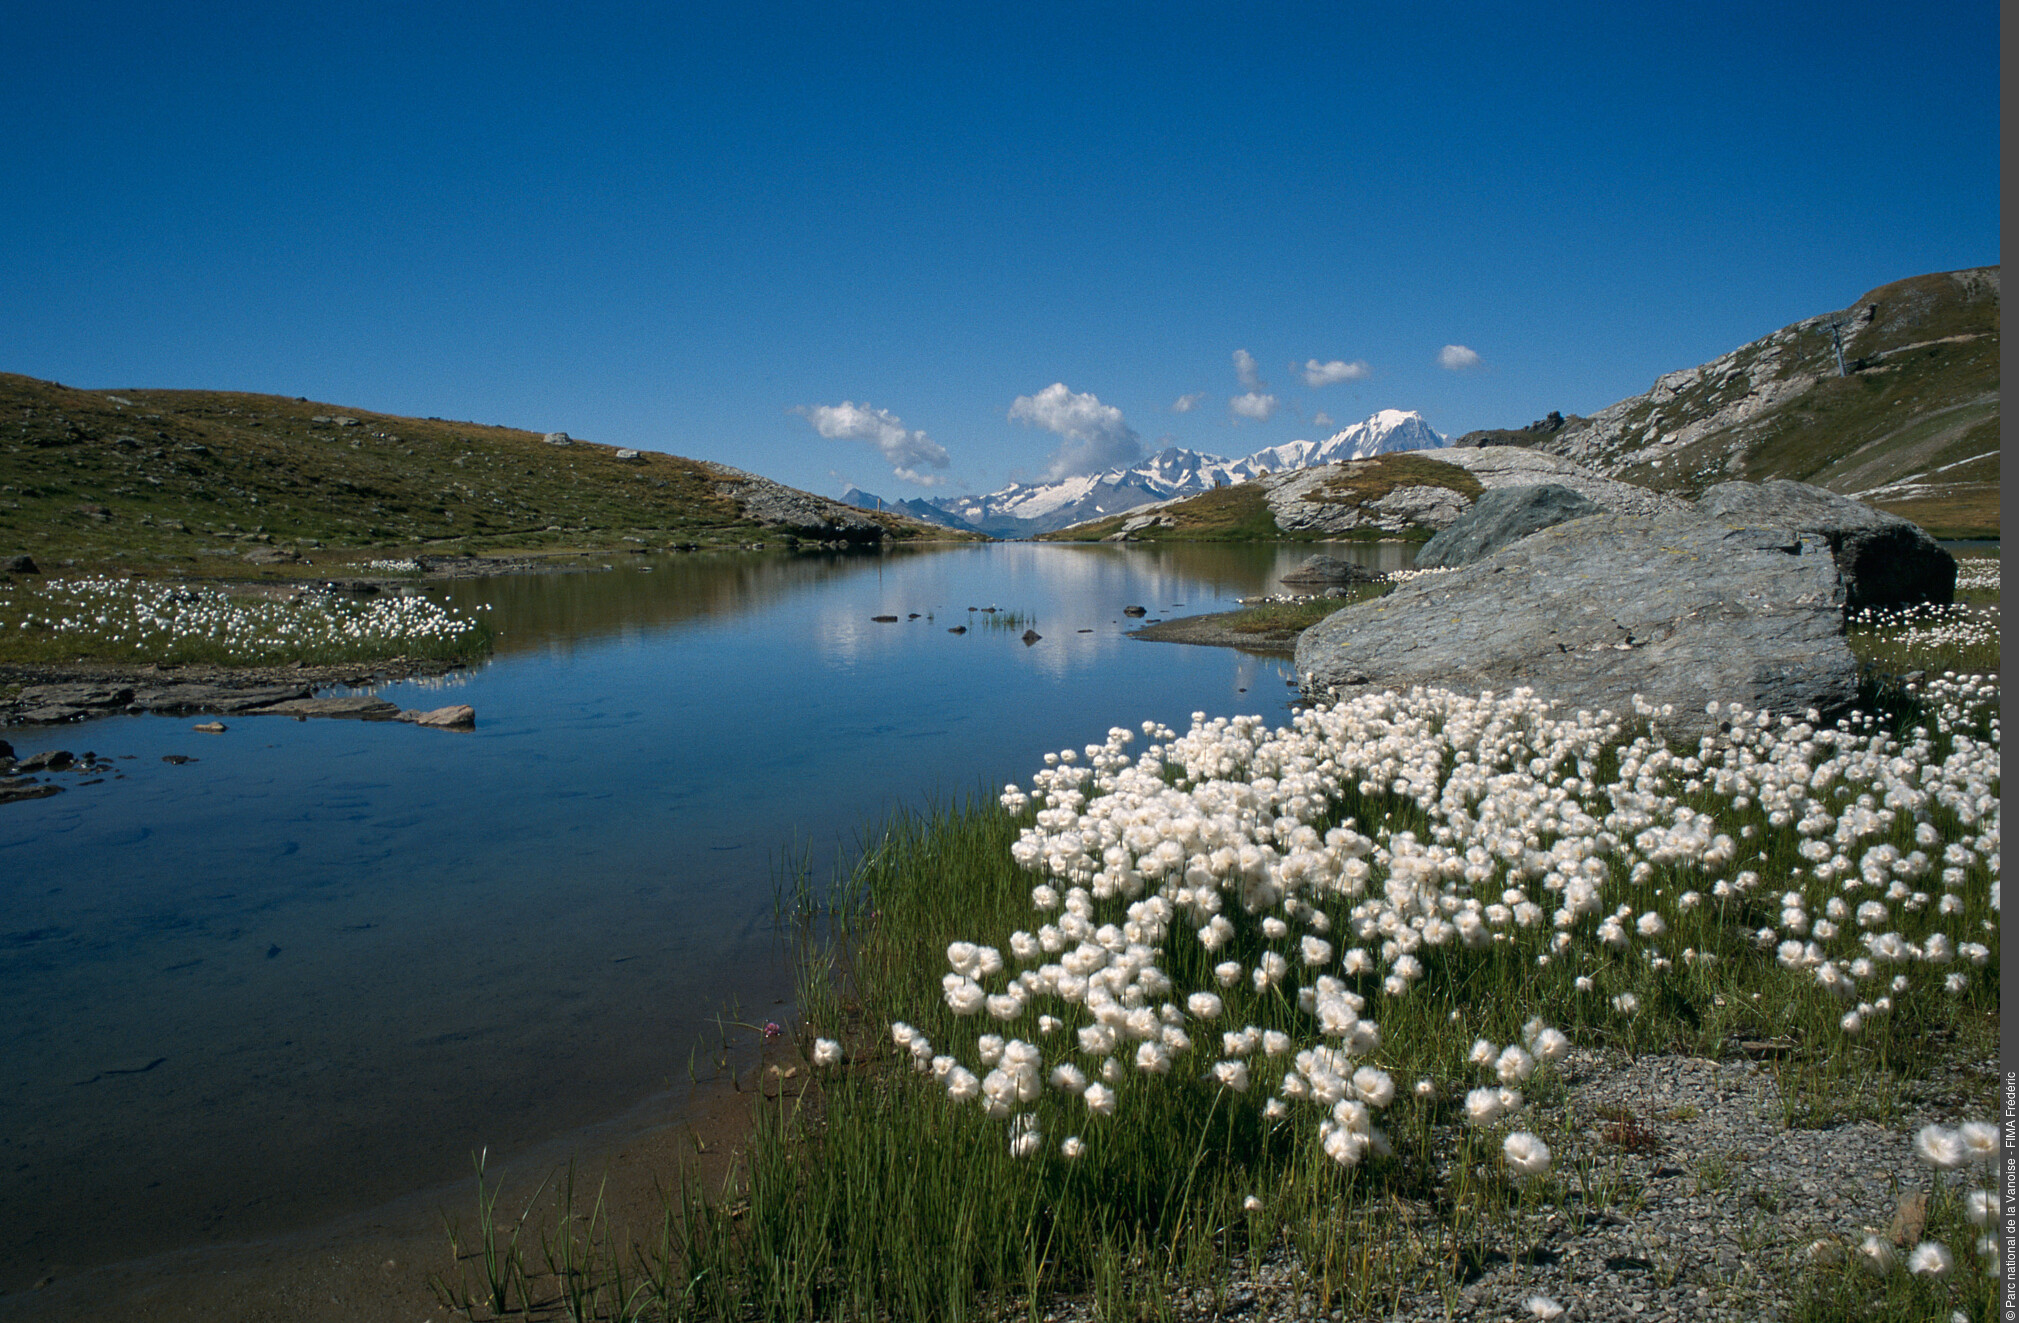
[(48, 695)]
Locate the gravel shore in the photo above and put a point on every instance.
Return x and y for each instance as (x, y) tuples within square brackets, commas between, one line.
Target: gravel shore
[(1720, 1203)]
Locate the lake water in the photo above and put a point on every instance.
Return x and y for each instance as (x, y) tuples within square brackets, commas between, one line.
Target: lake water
[(313, 969)]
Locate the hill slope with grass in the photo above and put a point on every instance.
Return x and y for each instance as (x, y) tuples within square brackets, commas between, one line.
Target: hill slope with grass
[(137, 477), (1911, 426)]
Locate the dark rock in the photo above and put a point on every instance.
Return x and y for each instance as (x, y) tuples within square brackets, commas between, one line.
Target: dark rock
[(8, 794), (958, 629), (1135, 610), (49, 760), (271, 556), (1884, 559), (177, 758), (1324, 571), (359, 706), (211, 727), (81, 697), (6, 749), (884, 620), (1502, 515), (1031, 636), (22, 565), (178, 699), (1676, 608)]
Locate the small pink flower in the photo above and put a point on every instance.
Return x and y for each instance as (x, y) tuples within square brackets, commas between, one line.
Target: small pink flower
[(771, 1029)]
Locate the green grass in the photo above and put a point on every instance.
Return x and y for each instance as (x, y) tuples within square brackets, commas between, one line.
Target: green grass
[(195, 479)]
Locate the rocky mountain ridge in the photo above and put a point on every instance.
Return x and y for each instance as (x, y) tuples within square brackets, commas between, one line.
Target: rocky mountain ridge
[(1909, 423)]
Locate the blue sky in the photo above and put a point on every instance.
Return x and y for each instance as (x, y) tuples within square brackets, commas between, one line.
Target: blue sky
[(706, 229)]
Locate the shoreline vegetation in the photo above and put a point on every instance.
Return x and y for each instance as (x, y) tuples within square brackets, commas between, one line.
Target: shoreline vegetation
[(1421, 1006)]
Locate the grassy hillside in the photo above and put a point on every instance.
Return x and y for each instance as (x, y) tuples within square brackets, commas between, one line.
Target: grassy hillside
[(164, 477), (1244, 513), (1912, 427)]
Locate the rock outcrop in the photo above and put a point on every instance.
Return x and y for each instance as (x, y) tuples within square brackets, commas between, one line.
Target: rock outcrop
[(1884, 560), (1500, 516), (1676, 608), (792, 511), (1328, 572)]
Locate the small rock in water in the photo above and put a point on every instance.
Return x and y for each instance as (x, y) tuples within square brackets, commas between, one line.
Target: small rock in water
[(884, 620), (51, 760), (958, 629), (177, 758), (456, 716), (1135, 610), (210, 727), (1031, 636)]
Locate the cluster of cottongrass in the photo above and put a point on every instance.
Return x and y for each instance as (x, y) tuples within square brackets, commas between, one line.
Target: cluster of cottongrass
[(1200, 912), (133, 620), (1343, 935)]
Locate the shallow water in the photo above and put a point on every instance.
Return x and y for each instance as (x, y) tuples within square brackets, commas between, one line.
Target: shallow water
[(313, 969)]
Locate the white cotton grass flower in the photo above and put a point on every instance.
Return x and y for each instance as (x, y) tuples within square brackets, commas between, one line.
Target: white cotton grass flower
[(1930, 1259), (1232, 1075), (1483, 1107), (826, 1052), (1526, 1155), (1072, 1147), (1980, 1141), (1025, 1139), (1100, 1099), (1940, 1148), (1876, 1254), (1204, 1005), (1251, 1204), (1544, 1308), (1981, 1207), (1626, 1003)]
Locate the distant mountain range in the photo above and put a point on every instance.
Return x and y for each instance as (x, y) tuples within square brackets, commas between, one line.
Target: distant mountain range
[(1027, 509)]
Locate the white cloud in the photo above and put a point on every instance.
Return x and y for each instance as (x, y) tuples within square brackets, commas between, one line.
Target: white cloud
[(1094, 435), (1328, 374), (1253, 405), (905, 451), (1187, 403), (1457, 358), (1244, 368), (1322, 419)]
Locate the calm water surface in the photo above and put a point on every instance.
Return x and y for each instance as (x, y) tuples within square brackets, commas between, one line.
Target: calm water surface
[(315, 968)]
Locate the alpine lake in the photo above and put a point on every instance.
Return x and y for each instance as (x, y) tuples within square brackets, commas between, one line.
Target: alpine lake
[(317, 965)]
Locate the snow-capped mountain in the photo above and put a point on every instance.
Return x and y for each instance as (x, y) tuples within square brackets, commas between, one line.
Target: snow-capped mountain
[(1383, 433), (916, 508), (1025, 509)]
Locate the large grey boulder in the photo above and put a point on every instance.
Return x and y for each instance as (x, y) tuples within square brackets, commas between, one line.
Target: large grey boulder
[(1676, 608), (1884, 559), (1502, 515)]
